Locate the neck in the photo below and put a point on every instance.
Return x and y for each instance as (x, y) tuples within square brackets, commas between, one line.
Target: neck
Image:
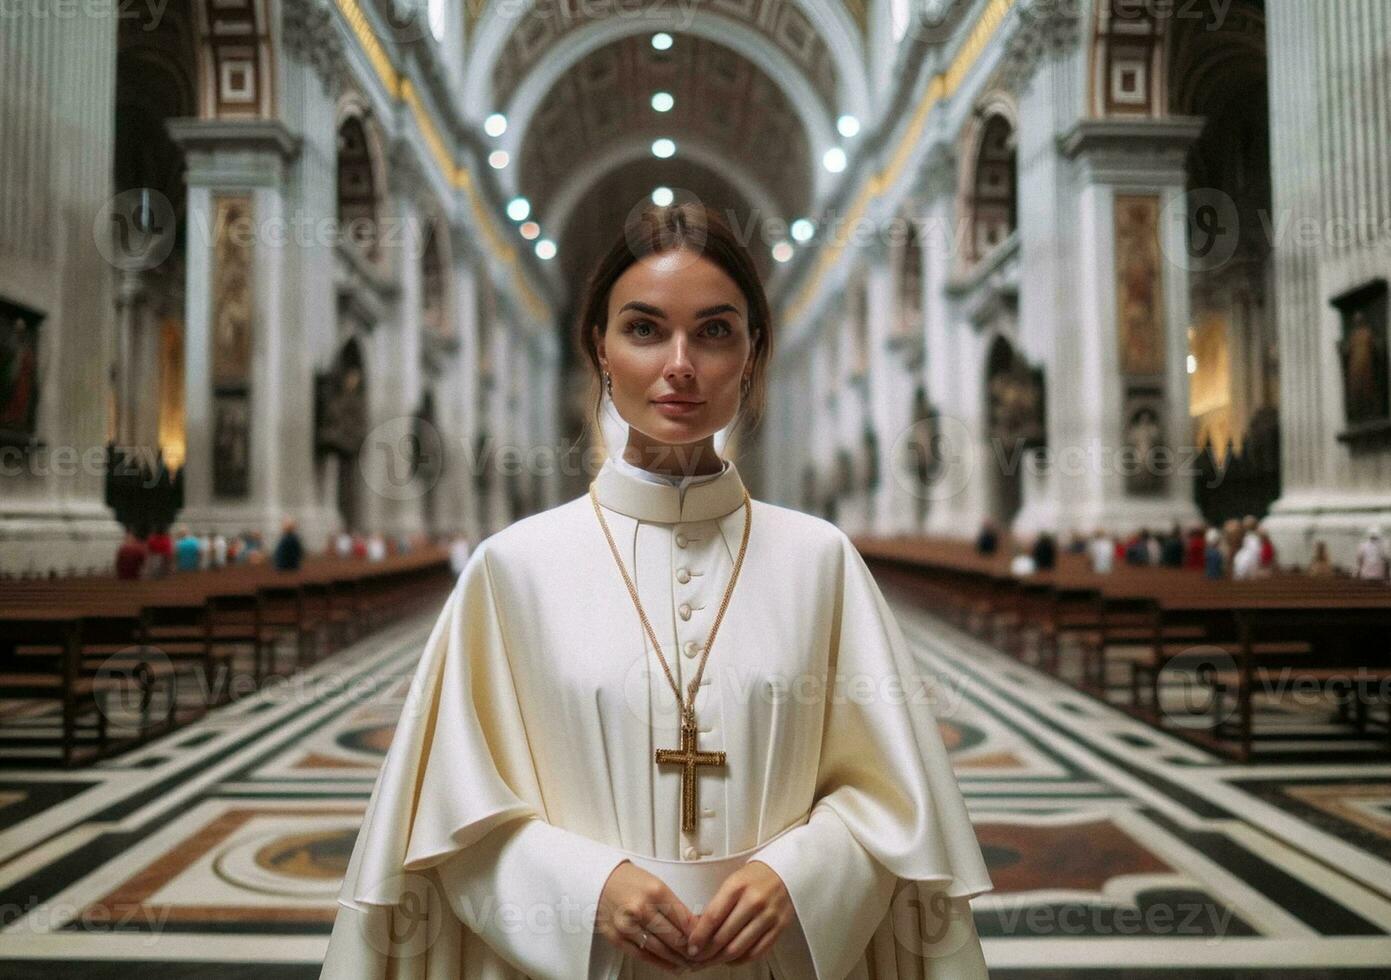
[(699, 459)]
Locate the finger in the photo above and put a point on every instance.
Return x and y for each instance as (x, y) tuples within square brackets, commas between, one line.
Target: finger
[(760, 948), (676, 913), (662, 927), (656, 946), (630, 948), (713, 915), (746, 939), (734, 923)]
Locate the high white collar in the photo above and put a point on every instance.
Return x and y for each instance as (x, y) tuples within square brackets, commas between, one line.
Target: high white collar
[(668, 503)]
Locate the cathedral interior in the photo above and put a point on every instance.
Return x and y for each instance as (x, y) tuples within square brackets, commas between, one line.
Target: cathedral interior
[(1082, 335)]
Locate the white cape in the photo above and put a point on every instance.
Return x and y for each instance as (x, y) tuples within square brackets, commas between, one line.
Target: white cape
[(521, 773)]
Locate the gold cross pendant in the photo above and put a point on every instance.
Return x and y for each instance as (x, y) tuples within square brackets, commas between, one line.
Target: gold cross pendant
[(689, 758)]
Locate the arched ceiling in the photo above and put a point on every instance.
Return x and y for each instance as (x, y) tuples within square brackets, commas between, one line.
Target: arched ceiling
[(758, 85), (599, 215), (781, 22)]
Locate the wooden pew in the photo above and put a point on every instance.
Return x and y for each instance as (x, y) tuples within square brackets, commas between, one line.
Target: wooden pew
[(1153, 619), (74, 641)]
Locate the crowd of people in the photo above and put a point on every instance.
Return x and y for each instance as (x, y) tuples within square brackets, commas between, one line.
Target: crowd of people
[(161, 553), (1240, 549)]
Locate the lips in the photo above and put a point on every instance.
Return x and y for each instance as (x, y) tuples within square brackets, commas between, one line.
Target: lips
[(676, 401)]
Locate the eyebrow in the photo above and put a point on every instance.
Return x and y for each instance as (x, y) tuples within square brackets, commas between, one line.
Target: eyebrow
[(651, 310)]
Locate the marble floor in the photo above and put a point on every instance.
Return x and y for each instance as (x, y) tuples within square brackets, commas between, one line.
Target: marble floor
[(1116, 851)]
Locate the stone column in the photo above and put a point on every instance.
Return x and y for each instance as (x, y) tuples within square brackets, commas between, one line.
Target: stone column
[(245, 162), (503, 427), (1049, 103), (464, 464), (57, 113), (310, 70), (942, 361), (403, 340), (1142, 161), (1331, 140)]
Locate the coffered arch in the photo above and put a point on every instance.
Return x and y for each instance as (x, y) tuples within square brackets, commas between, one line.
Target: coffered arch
[(506, 47), (809, 104), (627, 152)]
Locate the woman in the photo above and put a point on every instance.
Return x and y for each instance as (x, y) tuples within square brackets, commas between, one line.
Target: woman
[(629, 696)]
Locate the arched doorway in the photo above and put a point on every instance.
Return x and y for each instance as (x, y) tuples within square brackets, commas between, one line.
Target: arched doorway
[(156, 81), (1219, 73)]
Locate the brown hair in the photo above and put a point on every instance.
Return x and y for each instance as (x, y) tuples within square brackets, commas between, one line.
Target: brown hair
[(698, 229)]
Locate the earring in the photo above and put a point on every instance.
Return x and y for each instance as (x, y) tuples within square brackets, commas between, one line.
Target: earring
[(608, 383), (744, 388)]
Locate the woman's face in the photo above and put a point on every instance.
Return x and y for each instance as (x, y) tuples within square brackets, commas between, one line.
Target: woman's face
[(678, 347)]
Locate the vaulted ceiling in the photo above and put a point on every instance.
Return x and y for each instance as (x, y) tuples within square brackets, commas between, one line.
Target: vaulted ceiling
[(757, 88)]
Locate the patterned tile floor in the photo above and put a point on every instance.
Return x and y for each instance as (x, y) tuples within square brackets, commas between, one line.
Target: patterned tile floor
[(1116, 850)]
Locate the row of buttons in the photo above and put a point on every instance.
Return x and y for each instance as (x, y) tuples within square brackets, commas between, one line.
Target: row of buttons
[(691, 648)]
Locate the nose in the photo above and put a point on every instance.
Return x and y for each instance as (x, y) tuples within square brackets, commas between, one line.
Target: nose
[(678, 364)]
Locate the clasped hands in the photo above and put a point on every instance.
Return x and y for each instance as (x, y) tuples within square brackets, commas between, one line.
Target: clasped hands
[(739, 925)]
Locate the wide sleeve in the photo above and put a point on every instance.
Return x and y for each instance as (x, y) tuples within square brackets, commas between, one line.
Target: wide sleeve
[(455, 837), (887, 812)]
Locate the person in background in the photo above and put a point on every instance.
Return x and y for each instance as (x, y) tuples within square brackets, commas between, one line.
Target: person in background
[(235, 544), (1246, 564), (289, 550), (1171, 548), (217, 551), (1372, 562), (1103, 553), (161, 553), (1231, 542), (1022, 564), (1195, 552), (1320, 566), (1267, 563), (188, 554), (988, 540), (359, 546), (250, 547), (343, 544), (1214, 557), (376, 548), (1045, 552), (1077, 543), (1138, 551), (130, 557)]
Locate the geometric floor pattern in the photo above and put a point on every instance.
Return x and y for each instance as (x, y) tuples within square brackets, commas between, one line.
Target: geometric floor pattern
[(1116, 850)]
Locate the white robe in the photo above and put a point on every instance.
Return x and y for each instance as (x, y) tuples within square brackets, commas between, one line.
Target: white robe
[(522, 771)]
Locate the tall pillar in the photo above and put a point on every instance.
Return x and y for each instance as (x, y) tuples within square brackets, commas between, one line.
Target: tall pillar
[(57, 113), (310, 70), (1050, 103), (403, 341), (942, 361), (1327, 76), (1126, 471), (464, 464), (237, 220)]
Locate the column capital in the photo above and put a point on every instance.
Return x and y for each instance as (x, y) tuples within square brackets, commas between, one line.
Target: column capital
[(1044, 30), (1128, 151), (237, 152), (309, 33)]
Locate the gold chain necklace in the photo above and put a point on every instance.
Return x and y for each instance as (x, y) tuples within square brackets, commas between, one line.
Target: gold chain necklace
[(686, 756)]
